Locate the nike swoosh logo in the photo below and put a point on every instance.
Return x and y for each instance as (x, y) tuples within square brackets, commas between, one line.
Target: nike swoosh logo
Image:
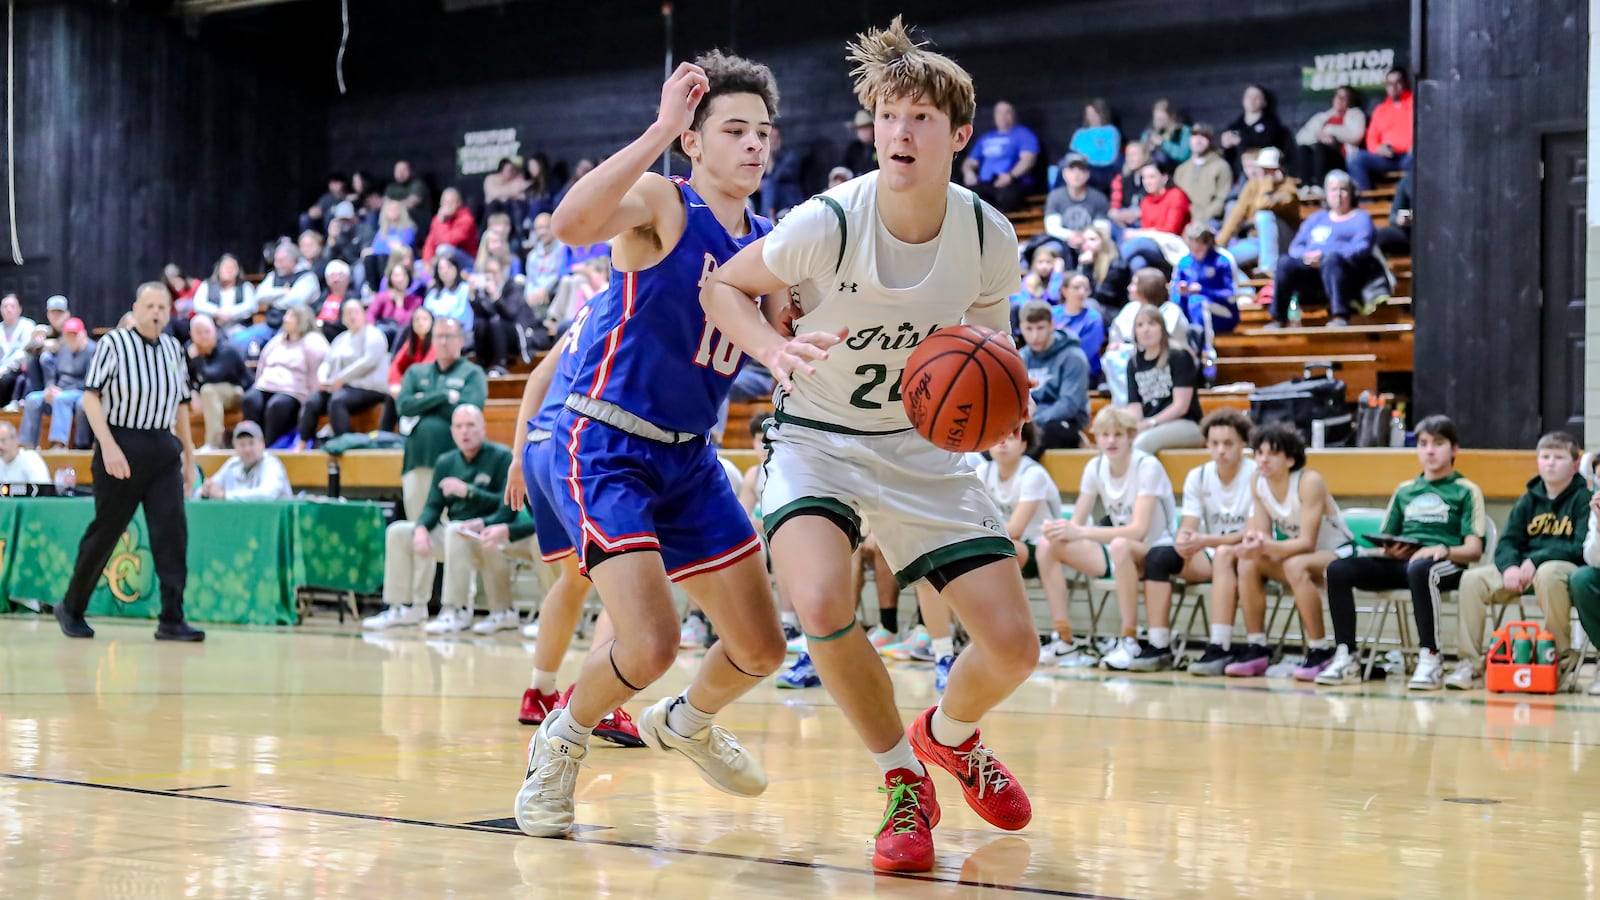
[(698, 205)]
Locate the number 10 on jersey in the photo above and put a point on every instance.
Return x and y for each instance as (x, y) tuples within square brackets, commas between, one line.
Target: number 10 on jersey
[(717, 352)]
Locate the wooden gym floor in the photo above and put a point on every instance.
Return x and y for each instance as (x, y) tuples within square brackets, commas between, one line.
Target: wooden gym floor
[(314, 762)]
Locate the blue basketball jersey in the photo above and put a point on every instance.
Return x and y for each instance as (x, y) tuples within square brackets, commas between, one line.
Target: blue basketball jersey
[(648, 348), (555, 398)]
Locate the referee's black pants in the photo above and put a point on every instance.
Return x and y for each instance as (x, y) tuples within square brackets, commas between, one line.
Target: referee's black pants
[(155, 459)]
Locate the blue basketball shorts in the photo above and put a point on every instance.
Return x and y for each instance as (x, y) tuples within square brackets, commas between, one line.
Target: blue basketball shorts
[(554, 542)]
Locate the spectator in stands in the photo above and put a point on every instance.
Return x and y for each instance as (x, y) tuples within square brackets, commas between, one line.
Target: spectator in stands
[(587, 279), (415, 347), (1166, 139), (1059, 371), (1267, 209), (290, 284), (543, 270), (352, 378), (44, 342), (1256, 128), (15, 330), (218, 374), (540, 199), (782, 187), (1203, 284), (505, 189), (409, 191), (1075, 312), (495, 246), (1442, 515), (391, 309), (1108, 274), (999, 164), (18, 465), (1098, 141), (314, 254), (1330, 137), (498, 227), (584, 167), (1163, 208), (63, 391), (1074, 206), (1329, 259), (429, 392), (453, 228), (839, 175), (329, 318), (226, 297), (1539, 549), (286, 374), (1147, 287), (498, 311), (182, 289), (396, 229), (449, 296), (1127, 189), (348, 236), (1389, 134), (250, 474), (470, 482), (1394, 239), (56, 313), (1204, 177), (861, 156), (1163, 387), (316, 216)]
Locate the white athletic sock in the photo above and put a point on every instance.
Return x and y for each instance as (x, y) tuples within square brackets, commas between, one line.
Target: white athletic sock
[(1258, 638), (565, 727), (943, 647), (1222, 635), (685, 719), (790, 619), (543, 682), (898, 757), (950, 732), (1320, 644), (1161, 638)]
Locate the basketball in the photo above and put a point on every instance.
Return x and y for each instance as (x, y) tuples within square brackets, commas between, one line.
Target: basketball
[(965, 388)]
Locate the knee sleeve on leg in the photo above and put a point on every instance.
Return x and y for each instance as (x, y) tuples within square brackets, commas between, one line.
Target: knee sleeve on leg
[(1162, 563)]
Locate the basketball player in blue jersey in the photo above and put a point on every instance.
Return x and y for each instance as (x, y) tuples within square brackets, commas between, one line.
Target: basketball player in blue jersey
[(877, 264), (640, 489)]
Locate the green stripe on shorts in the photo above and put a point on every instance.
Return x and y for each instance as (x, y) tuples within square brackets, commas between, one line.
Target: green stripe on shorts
[(794, 507), (944, 556)]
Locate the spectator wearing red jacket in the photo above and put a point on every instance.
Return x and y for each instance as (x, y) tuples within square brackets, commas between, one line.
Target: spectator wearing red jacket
[(1389, 133), (1163, 208), (452, 227), (415, 348)]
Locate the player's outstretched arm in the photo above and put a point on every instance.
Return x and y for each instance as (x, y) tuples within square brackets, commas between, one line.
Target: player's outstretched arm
[(617, 197), (731, 299)]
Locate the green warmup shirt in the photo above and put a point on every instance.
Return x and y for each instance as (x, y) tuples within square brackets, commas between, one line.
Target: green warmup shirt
[(1543, 529), (425, 394), (1442, 512), (485, 475)]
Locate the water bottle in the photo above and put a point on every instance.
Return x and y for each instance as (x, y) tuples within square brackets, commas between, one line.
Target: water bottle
[(1545, 650), (1319, 434), (1521, 647), (333, 476), (1294, 312), (1397, 429)]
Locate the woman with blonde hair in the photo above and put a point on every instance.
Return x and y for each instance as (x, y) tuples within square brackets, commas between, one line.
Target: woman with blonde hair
[(1163, 387), (286, 374)]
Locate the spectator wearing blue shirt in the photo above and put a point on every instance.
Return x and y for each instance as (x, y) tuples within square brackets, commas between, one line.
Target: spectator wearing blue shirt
[(1203, 286), (450, 297), (997, 167), (1078, 315), (781, 188), (1329, 258), (1099, 142)]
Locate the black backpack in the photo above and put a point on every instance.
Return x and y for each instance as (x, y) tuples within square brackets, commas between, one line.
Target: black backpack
[(1302, 401)]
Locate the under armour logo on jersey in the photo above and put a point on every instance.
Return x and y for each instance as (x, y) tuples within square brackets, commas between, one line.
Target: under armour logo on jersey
[(850, 286)]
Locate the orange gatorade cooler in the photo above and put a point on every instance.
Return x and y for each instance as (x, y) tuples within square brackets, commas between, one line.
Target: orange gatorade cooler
[(1510, 671)]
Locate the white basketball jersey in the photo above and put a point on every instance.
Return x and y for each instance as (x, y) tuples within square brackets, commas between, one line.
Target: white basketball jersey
[(1285, 515), (1220, 508), (843, 264), (1145, 477)]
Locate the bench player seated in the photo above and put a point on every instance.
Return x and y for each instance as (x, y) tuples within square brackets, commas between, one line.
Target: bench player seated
[(1136, 494), (1216, 505)]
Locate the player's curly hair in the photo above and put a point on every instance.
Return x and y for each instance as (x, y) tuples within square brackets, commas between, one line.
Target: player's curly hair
[(729, 74), (890, 65)]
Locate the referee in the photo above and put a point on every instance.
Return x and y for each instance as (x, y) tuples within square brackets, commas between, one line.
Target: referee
[(137, 401)]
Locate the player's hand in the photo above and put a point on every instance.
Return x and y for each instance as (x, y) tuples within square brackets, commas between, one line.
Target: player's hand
[(1253, 545), (422, 542), (453, 487), (1512, 578), (516, 489), (1399, 551), (798, 353), (1186, 543), (116, 464), (1435, 552), (494, 536), (680, 96)]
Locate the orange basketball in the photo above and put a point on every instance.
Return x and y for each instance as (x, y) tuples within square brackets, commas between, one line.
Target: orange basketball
[(965, 388)]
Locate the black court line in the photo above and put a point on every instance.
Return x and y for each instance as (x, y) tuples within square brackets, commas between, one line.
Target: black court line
[(481, 828), (198, 787)]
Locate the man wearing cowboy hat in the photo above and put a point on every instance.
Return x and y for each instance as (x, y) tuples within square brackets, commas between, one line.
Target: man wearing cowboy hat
[(1265, 216)]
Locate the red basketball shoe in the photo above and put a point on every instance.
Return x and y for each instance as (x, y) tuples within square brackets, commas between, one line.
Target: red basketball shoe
[(536, 707), (618, 728), (905, 837), (990, 789)]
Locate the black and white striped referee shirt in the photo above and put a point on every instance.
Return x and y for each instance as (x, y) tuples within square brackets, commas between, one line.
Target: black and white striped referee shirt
[(140, 382)]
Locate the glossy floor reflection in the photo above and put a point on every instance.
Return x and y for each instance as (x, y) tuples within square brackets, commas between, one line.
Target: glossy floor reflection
[(318, 763)]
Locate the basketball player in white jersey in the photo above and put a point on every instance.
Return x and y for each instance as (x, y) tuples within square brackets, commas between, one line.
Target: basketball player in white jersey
[(1295, 531), (1217, 501), (879, 263)]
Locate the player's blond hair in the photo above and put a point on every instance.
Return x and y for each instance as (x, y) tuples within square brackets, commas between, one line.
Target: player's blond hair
[(890, 65), (1114, 419)]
